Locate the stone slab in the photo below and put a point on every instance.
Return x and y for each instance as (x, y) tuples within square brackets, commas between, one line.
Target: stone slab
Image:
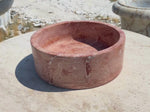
[(21, 90)]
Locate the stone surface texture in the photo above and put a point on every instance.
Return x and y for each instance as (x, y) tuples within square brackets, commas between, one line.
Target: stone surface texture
[(135, 15), (23, 91), (78, 54), (53, 11)]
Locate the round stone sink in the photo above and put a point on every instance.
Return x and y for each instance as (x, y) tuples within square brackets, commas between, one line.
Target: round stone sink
[(135, 3), (78, 54), (5, 5), (134, 14)]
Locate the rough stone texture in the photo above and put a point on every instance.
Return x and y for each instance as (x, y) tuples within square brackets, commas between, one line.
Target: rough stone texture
[(137, 25), (134, 15), (23, 91), (78, 54), (52, 11)]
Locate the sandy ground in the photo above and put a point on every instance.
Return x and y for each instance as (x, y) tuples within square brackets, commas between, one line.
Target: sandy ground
[(29, 15), (62, 10)]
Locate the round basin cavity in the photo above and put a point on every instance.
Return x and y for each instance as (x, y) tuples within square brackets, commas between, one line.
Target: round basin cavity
[(76, 39), (5, 5), (136, 3), (78, 54)]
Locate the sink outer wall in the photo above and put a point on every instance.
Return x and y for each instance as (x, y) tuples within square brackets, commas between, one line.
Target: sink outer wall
[(5, 5), (133, 19), (80, 72)]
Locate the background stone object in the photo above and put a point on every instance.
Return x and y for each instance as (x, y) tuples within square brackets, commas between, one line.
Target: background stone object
[(5, 5), (5, 17), (134, 14)]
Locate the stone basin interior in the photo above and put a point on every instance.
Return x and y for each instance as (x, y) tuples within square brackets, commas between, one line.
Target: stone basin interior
[(76, 38), (136, 3)]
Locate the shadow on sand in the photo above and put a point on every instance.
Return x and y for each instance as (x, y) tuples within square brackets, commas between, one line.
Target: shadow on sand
[(26, 75)]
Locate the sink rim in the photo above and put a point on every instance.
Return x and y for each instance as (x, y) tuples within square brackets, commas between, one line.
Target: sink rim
[(106, 50), (121, 2), (132, 12)]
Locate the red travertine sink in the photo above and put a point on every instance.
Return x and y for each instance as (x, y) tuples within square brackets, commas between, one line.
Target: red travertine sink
[(78, 54)]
